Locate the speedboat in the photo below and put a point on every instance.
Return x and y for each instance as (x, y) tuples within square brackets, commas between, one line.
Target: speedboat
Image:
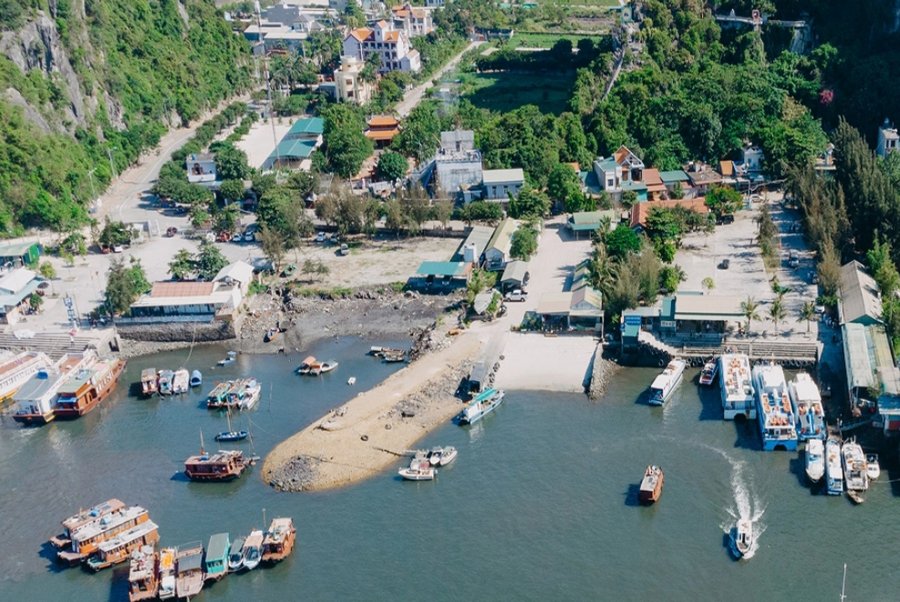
[(420, 473), (229, 358), (485, 403), (873, 468), (252, 552), (165, 382), (665, 383), (815, 460), (236, 555), (180, 382), (709, 372), (232, 436), (196, 378), (441, 456), (351, 381), (742, 538)]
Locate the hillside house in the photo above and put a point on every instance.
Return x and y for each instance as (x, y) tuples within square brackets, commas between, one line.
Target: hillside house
[(390, 45), (620, 172), (413, 20), (349, 86), (201, 168), (496, 255), (888, 139)]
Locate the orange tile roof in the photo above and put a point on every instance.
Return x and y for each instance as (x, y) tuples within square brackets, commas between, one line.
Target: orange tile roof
[(361, 33), (621, 153), (391, 36), (182, 289), (382, 134), (652, 177), (640, 211), (726, 168), (382, 121), (574, 165)]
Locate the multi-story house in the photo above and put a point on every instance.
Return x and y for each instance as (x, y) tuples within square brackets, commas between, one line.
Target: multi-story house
[(414, 21), (390, 45)]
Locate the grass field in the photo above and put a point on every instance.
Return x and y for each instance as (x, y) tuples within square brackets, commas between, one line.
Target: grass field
[(546, 40), (510, 90)]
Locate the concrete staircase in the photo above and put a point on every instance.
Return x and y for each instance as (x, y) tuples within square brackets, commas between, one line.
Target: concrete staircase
[(55, 344)]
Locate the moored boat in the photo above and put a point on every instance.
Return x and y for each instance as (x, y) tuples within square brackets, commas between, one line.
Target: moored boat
[(236, 555), (87, 388), (421, 472), (218, 397), (165, 382), (15, 371), (313, 367), (189, 570), (196, 378), (119, 548), (815, 460), (149, 381), (808, 407), (834, 473), (394, 357), (651, 485), (231, 434), (278, 542), (180, 381), (442, 456), (742, 538), (774, 412), (244, 394), (224, 465), (143, 579), (216, 560), (484, 403), (252, 552), (873, 468), (663, 385), (709, 372), (92, 515), (230, 358), (855, 478), (167, 573), (35, 401), (736, 387), (87, 538)]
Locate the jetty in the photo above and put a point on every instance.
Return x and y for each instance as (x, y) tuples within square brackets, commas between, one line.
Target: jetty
[(696, 350)]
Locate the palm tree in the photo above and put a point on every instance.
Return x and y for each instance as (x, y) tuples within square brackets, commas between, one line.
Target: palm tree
[(807, 314), (777, 312), (749, 309)]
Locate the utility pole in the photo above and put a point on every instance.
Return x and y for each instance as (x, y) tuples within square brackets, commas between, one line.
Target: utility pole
[(268, 85)]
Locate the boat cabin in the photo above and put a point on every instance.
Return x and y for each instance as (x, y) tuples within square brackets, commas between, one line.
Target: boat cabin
[(278, 542), (220, 466), (87, 538), (217, 556), (119, 548), (189, 570)]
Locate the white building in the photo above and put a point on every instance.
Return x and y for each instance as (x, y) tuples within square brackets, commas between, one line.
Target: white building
[(496, 254), (498, 184), (275, 36), (390, 45), (201, 167), (348, 85), (434, 3), (457, 165), (888, 140), (414, 21), (622, 171)]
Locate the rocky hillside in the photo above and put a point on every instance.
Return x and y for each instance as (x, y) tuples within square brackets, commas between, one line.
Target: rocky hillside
[(85, 80)]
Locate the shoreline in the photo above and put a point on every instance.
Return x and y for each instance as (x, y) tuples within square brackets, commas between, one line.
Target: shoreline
[(367, 434)]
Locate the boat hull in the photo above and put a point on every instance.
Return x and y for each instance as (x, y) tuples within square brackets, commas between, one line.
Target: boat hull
[(34, 419), (80, 409)]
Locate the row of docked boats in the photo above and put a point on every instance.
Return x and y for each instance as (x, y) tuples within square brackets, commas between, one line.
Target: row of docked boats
[(66, 389), (169, 382), (424, 463), (313, 367), (389, 355), (843, 464), (238, 394)]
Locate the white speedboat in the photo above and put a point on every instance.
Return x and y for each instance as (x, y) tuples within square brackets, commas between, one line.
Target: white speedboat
[(441, 456), (834, 474), (665, 383), (485, 403), (196, 378), (709, 372), (815, 460), (236, 555), (252, 551), (230, 358), (420, 473), (873, 468), (742, 538), (180, 381), (351, 381)]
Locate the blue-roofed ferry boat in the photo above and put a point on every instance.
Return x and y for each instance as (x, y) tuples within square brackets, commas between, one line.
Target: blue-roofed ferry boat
[(777, 424)]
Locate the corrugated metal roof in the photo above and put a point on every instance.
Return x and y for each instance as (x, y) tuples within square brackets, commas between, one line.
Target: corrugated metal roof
[(515, 271), (502, 237), (859, 294), (182, 289), (15, 249), (590, 220), (239, 270), (16, 280), (555, 304), (441, 268), (480, 236), (308, 125), (500, 176), (218, 546), (675, 175), (857, 361), (707, 307)]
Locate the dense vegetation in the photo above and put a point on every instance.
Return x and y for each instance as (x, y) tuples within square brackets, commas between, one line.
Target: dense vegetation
[(143, 57)]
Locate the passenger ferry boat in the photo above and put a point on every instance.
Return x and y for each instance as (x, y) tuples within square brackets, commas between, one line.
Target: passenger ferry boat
[(36, 400), (88, 388), (220, 466), (278, 542), (216, 560), (736, 387), (651, 485), (775, 414), (709, 372), (834, 473), (119, 548), (189, 570), (856, 478), (143, 579), (15, 371), (665, 383), (84, 517), (808, 407), (86, 539), (483, 404)]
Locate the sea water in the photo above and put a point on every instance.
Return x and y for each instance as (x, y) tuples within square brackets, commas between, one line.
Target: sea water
[(541, 503)]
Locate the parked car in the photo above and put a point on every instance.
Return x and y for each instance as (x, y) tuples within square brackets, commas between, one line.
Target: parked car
[(516, 295), (237, 237), (724, 264), (794, 259), (344, 250), (320, 237), (725, 219), (249, 236)]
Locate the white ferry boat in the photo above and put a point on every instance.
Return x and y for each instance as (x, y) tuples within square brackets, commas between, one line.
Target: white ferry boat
[(777, 424), (485, 403), (15, 371), (815, 460), (833, 472), (855, 475), (665, 383), (808, 407), (737, 387)]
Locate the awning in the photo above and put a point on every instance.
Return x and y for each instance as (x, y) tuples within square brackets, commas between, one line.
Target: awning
[(708, 317)]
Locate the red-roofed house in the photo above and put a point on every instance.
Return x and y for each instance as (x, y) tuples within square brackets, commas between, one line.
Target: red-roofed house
[(390, 45), (415, 21), (640, 211), (656, 189), (382, 129)]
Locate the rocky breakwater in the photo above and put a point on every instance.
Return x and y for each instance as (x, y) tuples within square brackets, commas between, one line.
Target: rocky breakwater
[(602, 372)]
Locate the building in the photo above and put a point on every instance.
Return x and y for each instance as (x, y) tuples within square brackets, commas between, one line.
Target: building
[(702, 176), (16, 254), (515, 275), (640, 211), (16, 288), (496, 255), (275, 37), (434, 3), (622, 171), (193, 301), (390, 45), (590, 221), (472, 248), (201, 168), (572, 311), (873, 381), (457, 165), (675, 179), (349, 85), (382, 129), (888, 139), (656, 189), (441, 276), (414, 21), (294, 150), (860, 299), (498, 184), (752, 158), (297, 16)]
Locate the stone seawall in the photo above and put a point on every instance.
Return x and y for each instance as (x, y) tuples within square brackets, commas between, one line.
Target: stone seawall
[(179, 332)]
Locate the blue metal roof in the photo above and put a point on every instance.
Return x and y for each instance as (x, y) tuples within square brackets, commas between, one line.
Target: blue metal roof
[(441, 268)]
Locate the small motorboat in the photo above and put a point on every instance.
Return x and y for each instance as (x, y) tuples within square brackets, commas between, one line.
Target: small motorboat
[(394, 357), (651, 485), (873, 468), (180, 381), (149, 381), (229, 358), (196, 378), (327, 366), (232, 436), (165, 382), (709, 372), (313, 367), (742, 538), (252, 552), (855, 496), (441, 456), (351, 381), (420, 473), (236, 555), (815, 460)]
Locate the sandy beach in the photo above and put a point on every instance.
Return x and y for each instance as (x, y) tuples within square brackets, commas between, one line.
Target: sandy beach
[(369, 433)]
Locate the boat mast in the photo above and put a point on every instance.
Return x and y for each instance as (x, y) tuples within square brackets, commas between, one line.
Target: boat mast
[(844, 583), (202, 446)]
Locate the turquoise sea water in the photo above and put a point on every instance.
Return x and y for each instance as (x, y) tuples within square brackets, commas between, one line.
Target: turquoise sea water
[(540, 504)]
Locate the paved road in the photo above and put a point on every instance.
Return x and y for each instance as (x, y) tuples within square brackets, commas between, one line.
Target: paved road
[(414, 96)]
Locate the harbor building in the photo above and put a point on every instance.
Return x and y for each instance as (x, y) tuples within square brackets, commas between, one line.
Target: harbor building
[(16, 288), (472, 248), (441, 276), (294, 150), (17, 254)]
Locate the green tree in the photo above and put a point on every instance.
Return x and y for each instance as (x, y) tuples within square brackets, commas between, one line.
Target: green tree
[(35, 301), (115, 233), (231, 162), (393, 216), (272, 246), (232, 190), (723, 200), (225, 219), (182, 265), (529, 203), (209, 261), (421, 133), (621, 242), (564, 185), (346, 147), (750, 309), (807, 314), (670, 276), (482, 211), (391, 166), (524, 242), (304, 183), (47, 270), (124, 284), (629, 198), (777, 311)]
